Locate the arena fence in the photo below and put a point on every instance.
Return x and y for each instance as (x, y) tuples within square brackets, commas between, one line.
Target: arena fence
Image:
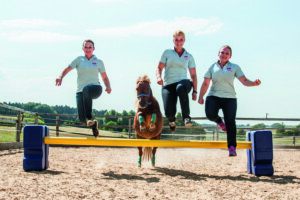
[(58, 123)]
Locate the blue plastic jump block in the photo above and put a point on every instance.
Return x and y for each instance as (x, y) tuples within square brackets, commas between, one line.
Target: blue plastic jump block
[(262, 147), (263, 170), (260, 157), (35, 151)]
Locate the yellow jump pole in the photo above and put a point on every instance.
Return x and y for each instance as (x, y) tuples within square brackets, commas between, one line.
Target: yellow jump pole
[(142, 143)]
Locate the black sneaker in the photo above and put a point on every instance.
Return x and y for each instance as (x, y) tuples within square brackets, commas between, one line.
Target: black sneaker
[(172, 126), (95, 128), (188, 122)]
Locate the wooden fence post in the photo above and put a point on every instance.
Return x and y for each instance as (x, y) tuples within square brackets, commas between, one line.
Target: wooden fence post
[(18, 132), (36, 118), (129, 129), (57, 125)]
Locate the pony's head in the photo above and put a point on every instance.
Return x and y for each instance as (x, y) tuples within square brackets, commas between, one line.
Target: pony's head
[(143, 91)]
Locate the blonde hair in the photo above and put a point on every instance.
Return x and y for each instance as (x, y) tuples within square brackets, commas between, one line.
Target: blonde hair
[(179, 33), (143, 78)]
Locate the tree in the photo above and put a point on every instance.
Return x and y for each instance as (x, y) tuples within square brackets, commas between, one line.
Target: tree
[(292, 132), (241, 132), (277, 125), (111, 123), (259, 126), (179, 122), (111, 113), (280, 128)]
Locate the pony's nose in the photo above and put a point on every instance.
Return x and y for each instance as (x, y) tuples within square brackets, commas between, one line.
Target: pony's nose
[(142, 104)]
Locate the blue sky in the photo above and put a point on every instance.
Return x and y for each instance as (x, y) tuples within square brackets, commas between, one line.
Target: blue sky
[(40, 38)]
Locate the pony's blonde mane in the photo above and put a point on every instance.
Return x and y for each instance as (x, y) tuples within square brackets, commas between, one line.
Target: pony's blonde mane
[(143, 78)]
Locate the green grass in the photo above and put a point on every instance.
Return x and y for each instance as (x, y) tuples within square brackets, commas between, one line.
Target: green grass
[(8, 134)]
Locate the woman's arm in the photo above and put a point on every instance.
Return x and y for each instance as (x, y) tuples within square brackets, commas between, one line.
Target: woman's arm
[(63, 74), (248, 83), (194, 80), (203, 90), (106, 82), (159, 69)]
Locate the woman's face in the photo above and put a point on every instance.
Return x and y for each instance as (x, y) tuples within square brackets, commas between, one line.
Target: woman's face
[(178, 41), (88, 49), (224, 55)]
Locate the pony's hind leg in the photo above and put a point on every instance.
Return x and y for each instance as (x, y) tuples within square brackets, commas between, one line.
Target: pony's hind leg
[(140, 156), (154, 151), (153, 156)]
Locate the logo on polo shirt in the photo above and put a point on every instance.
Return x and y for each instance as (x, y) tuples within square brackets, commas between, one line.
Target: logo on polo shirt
[(229, 69), (186, 57), (94, 64)]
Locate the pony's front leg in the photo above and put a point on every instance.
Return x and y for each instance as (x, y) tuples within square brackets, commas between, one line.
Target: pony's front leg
[(152, 123), (140, 156), (142, 124)]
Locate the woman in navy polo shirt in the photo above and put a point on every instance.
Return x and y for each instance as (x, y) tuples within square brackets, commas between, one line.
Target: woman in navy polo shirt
[(88, 86), (177, 62), (222, 94)]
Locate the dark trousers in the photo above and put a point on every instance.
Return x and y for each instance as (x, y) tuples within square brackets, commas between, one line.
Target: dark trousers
[(170, 93), (229, 106), (84, 101)]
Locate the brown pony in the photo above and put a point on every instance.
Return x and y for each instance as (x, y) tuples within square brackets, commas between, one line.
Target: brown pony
[(148, 121)]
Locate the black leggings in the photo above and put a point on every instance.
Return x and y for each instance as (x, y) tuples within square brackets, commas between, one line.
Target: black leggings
[(170, 94), (229, 106)]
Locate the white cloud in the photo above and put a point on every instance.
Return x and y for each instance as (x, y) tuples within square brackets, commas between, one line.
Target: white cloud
[(198, 26), (37, 36), (32, 32), (31, 23)]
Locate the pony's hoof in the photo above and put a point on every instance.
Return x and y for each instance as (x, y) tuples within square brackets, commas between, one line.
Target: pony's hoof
[(142, 128), (139, 165), (153, 164), (152, 127)]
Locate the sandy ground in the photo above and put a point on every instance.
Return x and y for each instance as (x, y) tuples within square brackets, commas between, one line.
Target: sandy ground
[(112, 173)]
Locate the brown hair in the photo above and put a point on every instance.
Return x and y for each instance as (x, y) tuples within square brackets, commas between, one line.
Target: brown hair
[(88, 40)]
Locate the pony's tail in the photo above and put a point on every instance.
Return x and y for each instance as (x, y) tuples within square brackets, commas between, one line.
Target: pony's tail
[(147, 154)]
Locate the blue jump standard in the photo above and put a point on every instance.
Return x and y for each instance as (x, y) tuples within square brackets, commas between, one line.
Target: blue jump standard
[(35, 150), (259, 158)]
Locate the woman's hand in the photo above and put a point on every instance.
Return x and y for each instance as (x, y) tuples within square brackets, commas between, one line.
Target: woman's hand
[(194, 96), (108, 90), (201, 100), (160, 81), (58, 81), (257, 82)]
